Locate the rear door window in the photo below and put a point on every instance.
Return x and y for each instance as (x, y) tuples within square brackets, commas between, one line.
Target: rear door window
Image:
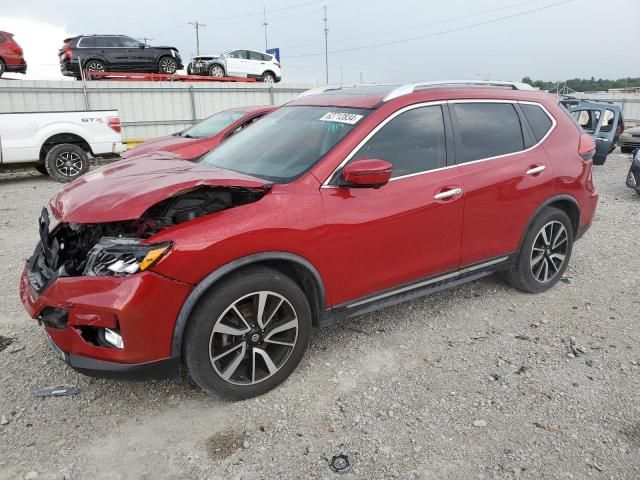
[(412, 142), (607, 121), (587, 119), (256, 56), (538, 119), (87, 42), (485, 130)]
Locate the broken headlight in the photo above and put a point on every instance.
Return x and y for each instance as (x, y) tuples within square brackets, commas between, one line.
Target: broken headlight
[(123, 256)]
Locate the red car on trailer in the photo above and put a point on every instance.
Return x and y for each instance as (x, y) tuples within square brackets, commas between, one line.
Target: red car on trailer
[(11, 59), (204, 136)]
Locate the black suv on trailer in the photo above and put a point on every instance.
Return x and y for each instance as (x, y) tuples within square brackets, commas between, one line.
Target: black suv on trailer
[(116, 53)]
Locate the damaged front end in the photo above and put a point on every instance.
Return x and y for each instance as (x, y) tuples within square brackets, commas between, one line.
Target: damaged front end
[(122, 248)]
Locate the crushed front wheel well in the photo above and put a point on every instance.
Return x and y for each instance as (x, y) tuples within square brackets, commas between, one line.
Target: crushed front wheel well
[(60, 138), (295, 267)]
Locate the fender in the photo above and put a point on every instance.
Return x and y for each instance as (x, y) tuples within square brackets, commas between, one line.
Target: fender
[(55, 128), (213, 277), (546, 203)]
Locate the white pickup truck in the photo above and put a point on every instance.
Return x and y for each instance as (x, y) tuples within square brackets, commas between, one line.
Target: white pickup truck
[(59, 144)]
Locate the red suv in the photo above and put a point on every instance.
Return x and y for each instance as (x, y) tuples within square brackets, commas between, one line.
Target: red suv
[(204, 136), (341, 202), (11, 59)]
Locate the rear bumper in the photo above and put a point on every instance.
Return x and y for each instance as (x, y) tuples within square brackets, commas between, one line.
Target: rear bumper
[(19, 68)]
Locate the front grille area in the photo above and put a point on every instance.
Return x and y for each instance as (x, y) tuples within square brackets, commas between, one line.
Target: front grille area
[(40, 274)]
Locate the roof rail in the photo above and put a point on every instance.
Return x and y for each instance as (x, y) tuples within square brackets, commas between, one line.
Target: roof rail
[(412, 87), (329, 88)]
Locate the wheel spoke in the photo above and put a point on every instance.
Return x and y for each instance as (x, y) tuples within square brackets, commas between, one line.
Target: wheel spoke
[(282, 328), (229, 330), (233, 366), (232, 348), (241, 317), (535, 260), (267, 360), (262, 302)]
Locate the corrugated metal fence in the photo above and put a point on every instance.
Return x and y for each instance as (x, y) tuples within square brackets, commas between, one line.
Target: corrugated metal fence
[(147, 109)]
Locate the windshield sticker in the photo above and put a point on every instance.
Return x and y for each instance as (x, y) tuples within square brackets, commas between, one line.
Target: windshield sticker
[(350, 118)]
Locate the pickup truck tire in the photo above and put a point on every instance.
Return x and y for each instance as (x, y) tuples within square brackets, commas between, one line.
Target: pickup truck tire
[(66, 162)]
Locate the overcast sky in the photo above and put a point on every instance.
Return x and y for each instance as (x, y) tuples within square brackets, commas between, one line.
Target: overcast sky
[(385, 40)]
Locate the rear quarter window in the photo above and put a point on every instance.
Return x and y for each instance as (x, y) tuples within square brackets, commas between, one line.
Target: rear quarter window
[(538, 119), (87, 42), (485, 130)]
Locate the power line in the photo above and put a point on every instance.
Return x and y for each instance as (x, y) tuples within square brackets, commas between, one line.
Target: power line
[(197, 26), (436, 34), (430, 24)]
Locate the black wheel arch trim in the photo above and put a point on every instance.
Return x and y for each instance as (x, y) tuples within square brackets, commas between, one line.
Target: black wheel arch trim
[(546, 203), (216, 275)]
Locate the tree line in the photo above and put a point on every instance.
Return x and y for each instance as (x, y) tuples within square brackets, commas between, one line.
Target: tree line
[(584, 85)]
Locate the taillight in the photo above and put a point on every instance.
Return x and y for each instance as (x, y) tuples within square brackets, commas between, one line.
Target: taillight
[(114, 123), (586, 147), (16, 48), (277, 63)]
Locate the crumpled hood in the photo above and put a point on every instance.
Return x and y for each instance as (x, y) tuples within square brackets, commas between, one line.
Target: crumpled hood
[(125, 190)]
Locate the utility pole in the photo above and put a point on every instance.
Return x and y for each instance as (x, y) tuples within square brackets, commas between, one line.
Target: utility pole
[(146, 40), (197, 26), (361, 80), (264, 23), (341, 76), (326, 51)]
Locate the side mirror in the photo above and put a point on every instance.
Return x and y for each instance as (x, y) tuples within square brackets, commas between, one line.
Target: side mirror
[(368, 172)]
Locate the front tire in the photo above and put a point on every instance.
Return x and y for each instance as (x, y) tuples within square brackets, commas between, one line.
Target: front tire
[(216, 71), (544, 254), (66, 162), (3, 67), (247, 334), (41, 168), (167, 65)]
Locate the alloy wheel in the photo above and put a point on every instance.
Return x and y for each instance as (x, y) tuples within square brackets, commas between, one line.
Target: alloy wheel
[(268, 79), (168, 65), (69, 164), (253, 338), (95, 67), (216, 71), (549, 251)]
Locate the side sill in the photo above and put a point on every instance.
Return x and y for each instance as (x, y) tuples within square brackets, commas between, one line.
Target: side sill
[(405, 293)]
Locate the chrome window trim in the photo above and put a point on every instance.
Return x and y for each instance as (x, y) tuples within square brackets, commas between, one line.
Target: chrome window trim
[(327, 182), (79, 45)]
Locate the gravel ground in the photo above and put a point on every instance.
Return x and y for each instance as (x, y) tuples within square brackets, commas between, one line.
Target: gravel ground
[(476, 382)]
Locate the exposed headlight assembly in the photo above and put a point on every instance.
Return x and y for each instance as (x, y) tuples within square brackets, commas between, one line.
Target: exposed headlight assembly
[(123, 256)]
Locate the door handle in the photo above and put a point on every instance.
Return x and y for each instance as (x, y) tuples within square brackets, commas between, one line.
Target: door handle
[(448, 193), (534, 170)]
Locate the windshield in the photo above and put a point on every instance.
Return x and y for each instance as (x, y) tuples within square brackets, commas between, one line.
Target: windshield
[(214, 124), (286, 143)]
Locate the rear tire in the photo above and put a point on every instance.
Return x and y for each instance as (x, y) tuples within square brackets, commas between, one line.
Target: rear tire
[(544, 254), (3, 67), (66, 162), (234, 352), (94, 66)]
